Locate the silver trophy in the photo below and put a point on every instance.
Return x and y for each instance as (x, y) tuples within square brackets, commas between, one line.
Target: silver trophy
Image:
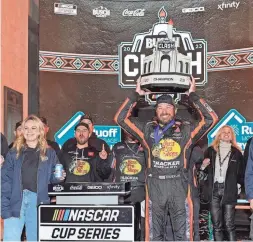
[(166, 70)]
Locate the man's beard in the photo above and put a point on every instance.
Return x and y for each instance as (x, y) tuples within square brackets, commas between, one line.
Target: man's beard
[(164, 122), (81, 141)]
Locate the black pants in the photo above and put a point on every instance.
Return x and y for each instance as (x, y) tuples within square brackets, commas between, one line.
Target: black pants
[(167, 196), (196, 208), (223, 216), (135, 198), (169, 236)]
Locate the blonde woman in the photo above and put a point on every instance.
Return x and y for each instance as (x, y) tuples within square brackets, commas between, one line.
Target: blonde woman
[(225, 168), (26, 173)]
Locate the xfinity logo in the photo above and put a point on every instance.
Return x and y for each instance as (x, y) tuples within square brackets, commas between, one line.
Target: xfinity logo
[(134, 13), (58, 188), (94, 187), (193, 10), (109, 187), (234, 4), (76, 188), (101, 12)]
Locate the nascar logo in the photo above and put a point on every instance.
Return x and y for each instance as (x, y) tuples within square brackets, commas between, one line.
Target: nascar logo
[(82, 215), (61, 215)]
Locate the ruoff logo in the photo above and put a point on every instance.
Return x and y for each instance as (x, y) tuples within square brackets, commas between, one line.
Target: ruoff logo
[(77, 188), (58, 188), (193, 10), (107, 133), (132, 54), (101, 12), (234, 4), (134, 13)]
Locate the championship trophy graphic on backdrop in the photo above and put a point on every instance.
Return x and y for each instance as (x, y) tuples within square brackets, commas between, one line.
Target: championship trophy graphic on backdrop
[(164, 57)]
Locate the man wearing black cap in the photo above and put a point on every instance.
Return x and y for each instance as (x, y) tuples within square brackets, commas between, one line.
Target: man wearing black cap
[(167, 143), (84, 163), (94, 141), (17, 132), (50, 143)]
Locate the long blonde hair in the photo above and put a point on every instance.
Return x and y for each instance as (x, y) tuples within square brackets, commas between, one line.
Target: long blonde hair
[(216, 142), (20, 142)]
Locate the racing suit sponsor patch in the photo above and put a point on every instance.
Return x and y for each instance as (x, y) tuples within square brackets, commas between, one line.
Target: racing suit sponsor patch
[(166, 149)]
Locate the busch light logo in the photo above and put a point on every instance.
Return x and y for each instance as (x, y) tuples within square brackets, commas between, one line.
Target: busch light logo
[(132, 54), (58, 188), (101, 12), (110, 134), (243, 129)]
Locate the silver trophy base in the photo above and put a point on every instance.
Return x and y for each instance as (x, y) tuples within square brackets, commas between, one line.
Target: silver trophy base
[(165, 82)]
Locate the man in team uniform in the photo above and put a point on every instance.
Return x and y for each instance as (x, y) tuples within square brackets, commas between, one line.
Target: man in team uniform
[(168, 143), (129, 165)]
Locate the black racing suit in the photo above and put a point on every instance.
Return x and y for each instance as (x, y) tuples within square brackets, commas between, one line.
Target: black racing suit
[(167, 184), (196, 158), (129, 165)]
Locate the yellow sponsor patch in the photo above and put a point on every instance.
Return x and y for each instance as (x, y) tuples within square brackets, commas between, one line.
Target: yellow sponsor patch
[(82, 168), (167, 149), (130, 167)]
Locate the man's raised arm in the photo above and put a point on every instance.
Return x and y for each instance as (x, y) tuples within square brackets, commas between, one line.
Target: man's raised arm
[(123, 117)]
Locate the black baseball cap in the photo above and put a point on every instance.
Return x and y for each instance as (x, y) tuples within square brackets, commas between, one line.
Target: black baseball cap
[(82, 124), (165, 99), (86, 116), (18, 124), (43, 120)]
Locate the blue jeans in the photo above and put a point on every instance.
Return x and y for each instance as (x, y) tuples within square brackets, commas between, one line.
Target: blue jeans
[(28, 216)]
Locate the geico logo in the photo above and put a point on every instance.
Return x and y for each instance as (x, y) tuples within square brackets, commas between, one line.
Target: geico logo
[(192, 10), (94, 187), (107, 133)]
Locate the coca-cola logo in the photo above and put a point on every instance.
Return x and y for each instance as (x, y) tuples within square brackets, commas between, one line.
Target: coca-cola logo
[(134, 13), (78, 187)]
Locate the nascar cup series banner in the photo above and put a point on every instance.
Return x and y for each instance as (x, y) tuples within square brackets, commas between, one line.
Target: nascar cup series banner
[(92, 223)]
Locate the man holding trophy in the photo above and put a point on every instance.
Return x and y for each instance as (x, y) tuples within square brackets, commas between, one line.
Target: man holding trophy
[(167, 141), (168, 144)]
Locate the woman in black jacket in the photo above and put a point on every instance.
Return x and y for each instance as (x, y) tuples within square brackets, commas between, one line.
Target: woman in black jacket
[(224, 167)]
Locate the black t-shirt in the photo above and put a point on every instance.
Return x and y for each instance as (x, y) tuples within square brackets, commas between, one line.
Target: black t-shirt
[(30, 169), (80, 164)]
